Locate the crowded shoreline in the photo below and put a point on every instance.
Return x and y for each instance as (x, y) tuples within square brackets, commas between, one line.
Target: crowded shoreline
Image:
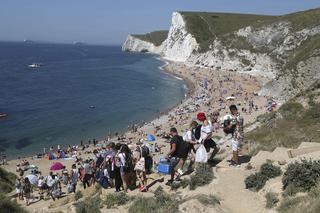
[(207, 92)]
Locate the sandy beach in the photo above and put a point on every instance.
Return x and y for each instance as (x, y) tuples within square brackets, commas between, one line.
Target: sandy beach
[(208, 90)]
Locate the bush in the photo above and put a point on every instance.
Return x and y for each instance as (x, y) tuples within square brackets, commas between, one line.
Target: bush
[(303, 175), (116, 199), (291, 190), (208, 199), (203, 176), (291, 109), (309, 203), (91, 204), (272, 200), (289, 204), (269, 170), (7, 181), (10, 206), (160, 203), (78, 195), (255, 181)]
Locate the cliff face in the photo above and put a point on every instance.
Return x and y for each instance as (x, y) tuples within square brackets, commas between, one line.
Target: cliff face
[(134, 44), (285, 48)]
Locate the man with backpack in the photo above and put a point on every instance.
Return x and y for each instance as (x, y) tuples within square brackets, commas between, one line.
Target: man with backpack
[(177, 154), (234, 127)]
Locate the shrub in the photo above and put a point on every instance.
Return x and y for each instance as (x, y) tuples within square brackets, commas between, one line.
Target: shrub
[(269, 170), (289, 204), (78, 195), (303, 175), (116, 199), (91, 204), (291, 109), (208, 199), (291, 190), (255, 181), (203, 176), (10, 206), (160, 203), (7, 181), (272, 200)]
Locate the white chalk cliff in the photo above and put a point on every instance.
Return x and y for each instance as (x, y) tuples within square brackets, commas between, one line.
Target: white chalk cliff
[(271, 46)]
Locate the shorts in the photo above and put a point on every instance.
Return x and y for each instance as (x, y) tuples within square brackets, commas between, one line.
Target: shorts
[(175, 163), (235, 145), (208, 144)]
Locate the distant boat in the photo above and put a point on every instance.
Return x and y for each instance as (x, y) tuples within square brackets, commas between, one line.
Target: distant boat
[(35, 65), (92, 107), (3, 115)]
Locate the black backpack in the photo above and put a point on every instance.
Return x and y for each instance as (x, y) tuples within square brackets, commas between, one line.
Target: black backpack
[(128, 167), (227, 130), (145, 151), (197, 133)]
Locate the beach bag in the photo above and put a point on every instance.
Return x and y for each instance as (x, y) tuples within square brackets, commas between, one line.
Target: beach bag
[(201, 155)]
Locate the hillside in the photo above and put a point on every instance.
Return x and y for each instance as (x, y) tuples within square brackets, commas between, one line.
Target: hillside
[(284, 48), (296, 121), (156, 37)]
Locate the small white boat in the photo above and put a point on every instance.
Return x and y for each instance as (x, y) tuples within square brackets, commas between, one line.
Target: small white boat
[(3, 115), (35, 65)]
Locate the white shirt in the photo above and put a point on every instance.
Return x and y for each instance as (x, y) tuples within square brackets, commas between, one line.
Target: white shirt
[(122, 158), (206, 130), (188, 136)]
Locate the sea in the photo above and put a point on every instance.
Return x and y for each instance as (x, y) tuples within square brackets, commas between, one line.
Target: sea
[(80, 92)]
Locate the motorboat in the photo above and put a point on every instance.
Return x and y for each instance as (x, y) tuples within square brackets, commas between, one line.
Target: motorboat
[(3, 115), (35, 65)]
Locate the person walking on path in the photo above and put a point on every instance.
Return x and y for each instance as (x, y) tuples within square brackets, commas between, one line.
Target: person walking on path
[(235, 127)]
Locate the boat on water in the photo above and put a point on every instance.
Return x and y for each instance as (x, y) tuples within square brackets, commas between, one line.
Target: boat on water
[(35, 65), (3, 115)]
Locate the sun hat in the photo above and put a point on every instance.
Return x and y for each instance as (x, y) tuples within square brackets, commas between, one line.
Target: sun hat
[(201, 116)]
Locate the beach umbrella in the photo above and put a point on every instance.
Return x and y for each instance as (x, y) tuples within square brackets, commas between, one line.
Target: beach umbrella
[(33, 179), (150, 137), (56, 166)]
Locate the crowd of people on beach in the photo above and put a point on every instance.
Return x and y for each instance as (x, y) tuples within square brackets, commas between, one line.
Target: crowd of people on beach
[(120, 164)]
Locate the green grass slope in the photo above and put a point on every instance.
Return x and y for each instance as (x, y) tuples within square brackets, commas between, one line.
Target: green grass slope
[(206, 27), (156, 37), (296, 121)]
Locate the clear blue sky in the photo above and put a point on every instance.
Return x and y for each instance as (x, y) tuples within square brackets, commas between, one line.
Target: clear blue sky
[(109, 21)]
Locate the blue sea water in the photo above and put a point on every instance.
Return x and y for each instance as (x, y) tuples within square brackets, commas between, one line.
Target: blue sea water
[(50, 105)]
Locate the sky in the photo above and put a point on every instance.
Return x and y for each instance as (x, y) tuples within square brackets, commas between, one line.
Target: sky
[(108, 22)]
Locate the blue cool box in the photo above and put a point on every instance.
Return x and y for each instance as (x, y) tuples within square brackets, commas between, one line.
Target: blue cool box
[(164, 167)]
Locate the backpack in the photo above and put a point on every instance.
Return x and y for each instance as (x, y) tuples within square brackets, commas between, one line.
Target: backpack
[(145, 153), (128, 166), (197, 133), (227, 130)]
